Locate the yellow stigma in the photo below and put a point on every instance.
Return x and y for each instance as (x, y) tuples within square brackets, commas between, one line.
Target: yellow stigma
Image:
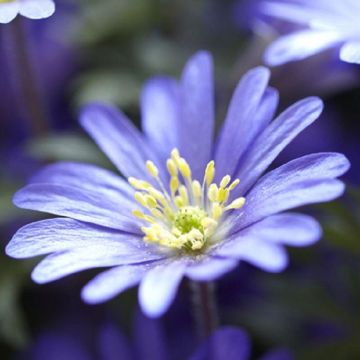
[(185, 216)]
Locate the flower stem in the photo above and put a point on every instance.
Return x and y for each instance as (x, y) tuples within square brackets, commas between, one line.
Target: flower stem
[(205, 309), (27, 83)]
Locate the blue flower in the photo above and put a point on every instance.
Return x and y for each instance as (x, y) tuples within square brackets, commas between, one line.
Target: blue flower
[(32, 9), (327, 23), (233, 344), (189, 217)]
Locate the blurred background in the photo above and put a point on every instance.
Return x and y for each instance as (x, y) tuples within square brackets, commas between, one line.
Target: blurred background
[(104, 50)]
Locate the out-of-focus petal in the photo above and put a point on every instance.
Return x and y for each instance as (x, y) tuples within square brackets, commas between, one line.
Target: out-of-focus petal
[(8, 12), (241, 124), (37, 9), (159, 286), (112, 344), (268, 256), (350, 52), (225, 343), (210, 268), (299, 45), (195, 135), (151, 342), (111, 283)]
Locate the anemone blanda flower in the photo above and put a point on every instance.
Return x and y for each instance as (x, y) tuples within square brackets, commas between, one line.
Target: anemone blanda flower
[(32, 9), (188, 218), (327, 23), (233, 344)]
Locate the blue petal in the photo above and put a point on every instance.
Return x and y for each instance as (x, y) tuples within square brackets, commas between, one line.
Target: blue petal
[(99, 206), (287, 228), (274, 139), (160, 114), (210, 268), (84, 176), (59, 234), (299, 46), (8, 12), (350, 52), (150, 339), (225, 343), (195, 135), (61, 264), (111, 283), (112, 344), (241, 124), (37, 9), (303, 181), (265, 255), (118, 138), (159, 286)]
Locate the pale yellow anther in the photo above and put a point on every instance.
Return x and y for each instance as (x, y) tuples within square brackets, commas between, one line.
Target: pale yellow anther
[(234, 184), (151, 201), (184, 168), (138, 214), (216, 211), (178, 200), (138, 184), (225, 181), (152, 169), (184, 194), (140, 198), (209, 172), (223, 195), (172, 168), (157, 213), (196, 189), (175, 155), (213, 192), (174, 184), (236, 204), (158, 195)]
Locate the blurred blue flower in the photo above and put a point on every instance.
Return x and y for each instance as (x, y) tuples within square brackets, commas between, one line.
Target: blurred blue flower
[(327, 23), (149, 344), (32, 9), (192, 228), (233, 344)]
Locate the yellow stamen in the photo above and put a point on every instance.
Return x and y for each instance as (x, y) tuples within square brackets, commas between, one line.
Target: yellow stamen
[(209, 172), (236, 204), (225, 181), (186, 214), (152, 169)]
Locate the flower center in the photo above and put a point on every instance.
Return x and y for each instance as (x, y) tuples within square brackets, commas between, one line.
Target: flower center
[(186, 216)]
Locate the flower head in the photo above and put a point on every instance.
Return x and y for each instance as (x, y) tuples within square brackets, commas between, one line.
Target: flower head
[(327, 24), (32, 9), (188, 206)]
